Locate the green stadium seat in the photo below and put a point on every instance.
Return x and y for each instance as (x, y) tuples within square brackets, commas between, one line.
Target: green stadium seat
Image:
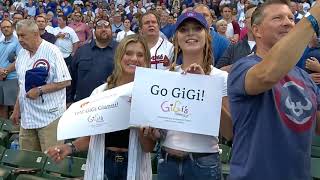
[(7, 130), (315, 151), (15, 162), (2, 150), (2, 120), (3, 135), (316, 141), (225, 156), (64, 169), (29, 177), (32, 177), (59, 171), (315, 168), (9, 127), (4, 139), (315, 148)]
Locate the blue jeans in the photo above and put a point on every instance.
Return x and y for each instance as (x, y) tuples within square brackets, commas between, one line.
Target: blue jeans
[(115, 165), (189, 168)]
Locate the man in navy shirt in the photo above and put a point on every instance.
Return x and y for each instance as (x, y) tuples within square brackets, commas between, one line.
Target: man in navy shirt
[(219, 43), (274, 105), (42, 24), (93, 62)]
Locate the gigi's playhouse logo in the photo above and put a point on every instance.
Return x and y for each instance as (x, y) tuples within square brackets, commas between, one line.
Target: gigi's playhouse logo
[(176, 106)]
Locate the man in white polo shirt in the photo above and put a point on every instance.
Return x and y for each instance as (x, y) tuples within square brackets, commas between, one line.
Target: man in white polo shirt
[(161, 50), (67, 39), (40, 106)]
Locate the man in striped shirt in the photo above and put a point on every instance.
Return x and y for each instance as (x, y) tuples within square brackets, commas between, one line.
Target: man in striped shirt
[(41, 106)]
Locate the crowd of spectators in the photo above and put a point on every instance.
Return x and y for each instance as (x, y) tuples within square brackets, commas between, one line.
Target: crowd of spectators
[(87, 32)]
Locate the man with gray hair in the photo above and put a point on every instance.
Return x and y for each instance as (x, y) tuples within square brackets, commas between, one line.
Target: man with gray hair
[(274, 104), (43, 77)]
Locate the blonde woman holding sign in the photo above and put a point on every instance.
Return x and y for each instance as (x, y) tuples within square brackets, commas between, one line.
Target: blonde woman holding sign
[(109, 153), (187, 156)]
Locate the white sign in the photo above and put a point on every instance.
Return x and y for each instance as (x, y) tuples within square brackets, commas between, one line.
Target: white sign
[(105, 112), (170, 100)]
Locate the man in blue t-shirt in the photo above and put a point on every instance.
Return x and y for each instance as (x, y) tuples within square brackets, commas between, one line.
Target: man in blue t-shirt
[(9, 48), (273, 103)]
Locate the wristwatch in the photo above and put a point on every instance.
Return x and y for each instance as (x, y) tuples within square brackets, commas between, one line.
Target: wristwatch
[(73, 147), (40, 91), (313, 21), (5, 72)]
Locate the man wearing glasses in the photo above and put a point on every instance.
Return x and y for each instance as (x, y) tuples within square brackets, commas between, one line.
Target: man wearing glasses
[(67, 39), (82, 30), (93, 62)]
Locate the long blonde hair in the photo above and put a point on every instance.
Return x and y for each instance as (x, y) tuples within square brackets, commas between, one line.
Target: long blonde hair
[(207, 51), (120, 51)]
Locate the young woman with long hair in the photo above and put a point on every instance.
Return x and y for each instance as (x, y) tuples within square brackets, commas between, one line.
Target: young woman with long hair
[(184, 155), (131, 52)]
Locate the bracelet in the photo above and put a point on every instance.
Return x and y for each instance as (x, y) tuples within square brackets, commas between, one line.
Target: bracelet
[(73, 148), (313, 22)]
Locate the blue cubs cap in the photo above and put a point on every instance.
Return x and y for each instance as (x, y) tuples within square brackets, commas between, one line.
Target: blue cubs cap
[(191, 15), (35, 77)]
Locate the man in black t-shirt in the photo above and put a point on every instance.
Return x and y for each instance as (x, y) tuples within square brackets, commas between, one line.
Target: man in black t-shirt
[(42, 24)]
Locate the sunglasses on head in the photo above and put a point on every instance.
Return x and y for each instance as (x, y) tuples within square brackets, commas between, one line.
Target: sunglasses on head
[(102, 23)]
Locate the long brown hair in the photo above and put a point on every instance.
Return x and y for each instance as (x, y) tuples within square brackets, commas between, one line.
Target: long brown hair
[(120, 51), (207, 52)]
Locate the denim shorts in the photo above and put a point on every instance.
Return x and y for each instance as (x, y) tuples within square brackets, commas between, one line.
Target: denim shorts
[(192, 167)]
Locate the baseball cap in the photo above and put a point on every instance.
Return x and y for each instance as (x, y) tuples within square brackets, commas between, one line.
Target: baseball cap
[(191, 15), (35, 77)]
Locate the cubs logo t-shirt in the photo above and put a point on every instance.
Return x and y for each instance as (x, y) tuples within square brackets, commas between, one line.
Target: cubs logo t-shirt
[(272, 130)]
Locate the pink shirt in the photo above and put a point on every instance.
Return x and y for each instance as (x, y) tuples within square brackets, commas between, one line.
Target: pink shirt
[(82, 30), (243, 32)]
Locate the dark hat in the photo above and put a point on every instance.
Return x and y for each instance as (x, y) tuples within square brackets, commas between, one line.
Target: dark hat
[(35, 77), (192, 15)]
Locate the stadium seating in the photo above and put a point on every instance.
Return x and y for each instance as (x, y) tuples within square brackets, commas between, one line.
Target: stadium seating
[(315, 148), (315, 168), (6, 131), (70, 167), (225, 156), (15, 162)]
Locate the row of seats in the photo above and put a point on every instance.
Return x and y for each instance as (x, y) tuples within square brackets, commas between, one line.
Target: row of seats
[(32, 165), (7, 132), (225, 156)]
